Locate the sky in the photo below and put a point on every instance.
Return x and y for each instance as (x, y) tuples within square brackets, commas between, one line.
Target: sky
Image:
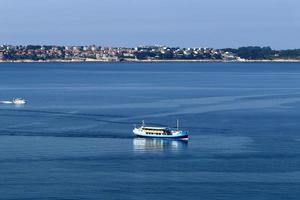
[(184, 23)]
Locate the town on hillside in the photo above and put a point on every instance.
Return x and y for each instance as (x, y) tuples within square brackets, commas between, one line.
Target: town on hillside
[(141, 53)]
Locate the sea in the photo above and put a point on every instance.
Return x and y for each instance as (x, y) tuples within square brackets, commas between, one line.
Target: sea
[(73, 139)]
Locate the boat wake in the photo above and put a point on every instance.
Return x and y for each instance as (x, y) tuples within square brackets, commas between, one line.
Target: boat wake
[(60, 123), (65, 134), (6, 102), (105, 118)]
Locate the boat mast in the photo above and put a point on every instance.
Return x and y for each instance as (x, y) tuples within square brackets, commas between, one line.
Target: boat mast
[(177, 124), (143, 123)]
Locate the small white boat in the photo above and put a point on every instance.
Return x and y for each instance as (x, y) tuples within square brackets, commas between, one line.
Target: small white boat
[(19, 101)]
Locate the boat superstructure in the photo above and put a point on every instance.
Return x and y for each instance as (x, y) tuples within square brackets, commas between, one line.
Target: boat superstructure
[(160, 132)]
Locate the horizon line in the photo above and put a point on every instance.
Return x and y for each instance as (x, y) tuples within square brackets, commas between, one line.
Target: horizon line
[(146, 45)]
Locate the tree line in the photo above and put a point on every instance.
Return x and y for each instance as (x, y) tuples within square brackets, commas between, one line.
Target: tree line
[(257, 53)]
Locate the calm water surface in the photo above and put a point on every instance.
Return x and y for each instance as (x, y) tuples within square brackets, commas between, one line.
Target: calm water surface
[(73, 140)]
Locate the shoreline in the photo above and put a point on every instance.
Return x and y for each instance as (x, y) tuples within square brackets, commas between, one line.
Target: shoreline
[(149, 61)]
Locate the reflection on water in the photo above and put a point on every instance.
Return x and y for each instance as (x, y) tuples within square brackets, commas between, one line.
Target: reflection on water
[(19, 105), (157, 144)]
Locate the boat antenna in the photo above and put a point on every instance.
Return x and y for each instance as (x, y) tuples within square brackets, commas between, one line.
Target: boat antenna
[(143, 123), (177, 124)]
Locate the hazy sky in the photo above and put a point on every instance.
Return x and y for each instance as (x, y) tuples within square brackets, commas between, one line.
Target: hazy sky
[(193, 23)]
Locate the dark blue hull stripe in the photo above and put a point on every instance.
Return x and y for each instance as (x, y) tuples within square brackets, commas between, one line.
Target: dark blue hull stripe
[(179, 137)]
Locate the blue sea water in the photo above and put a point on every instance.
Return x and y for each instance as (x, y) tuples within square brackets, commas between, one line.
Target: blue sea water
[(73, 140)]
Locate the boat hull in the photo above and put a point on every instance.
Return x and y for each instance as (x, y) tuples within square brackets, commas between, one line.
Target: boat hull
[(164, 137), (179, 135)]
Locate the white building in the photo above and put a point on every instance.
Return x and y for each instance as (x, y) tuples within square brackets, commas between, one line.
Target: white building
[(1, 55)]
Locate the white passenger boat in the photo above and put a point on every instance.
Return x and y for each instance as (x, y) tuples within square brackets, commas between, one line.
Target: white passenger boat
[(160, 132)]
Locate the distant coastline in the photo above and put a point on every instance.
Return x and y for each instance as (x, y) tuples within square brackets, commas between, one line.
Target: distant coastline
[(148, 61), (93, 53)]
